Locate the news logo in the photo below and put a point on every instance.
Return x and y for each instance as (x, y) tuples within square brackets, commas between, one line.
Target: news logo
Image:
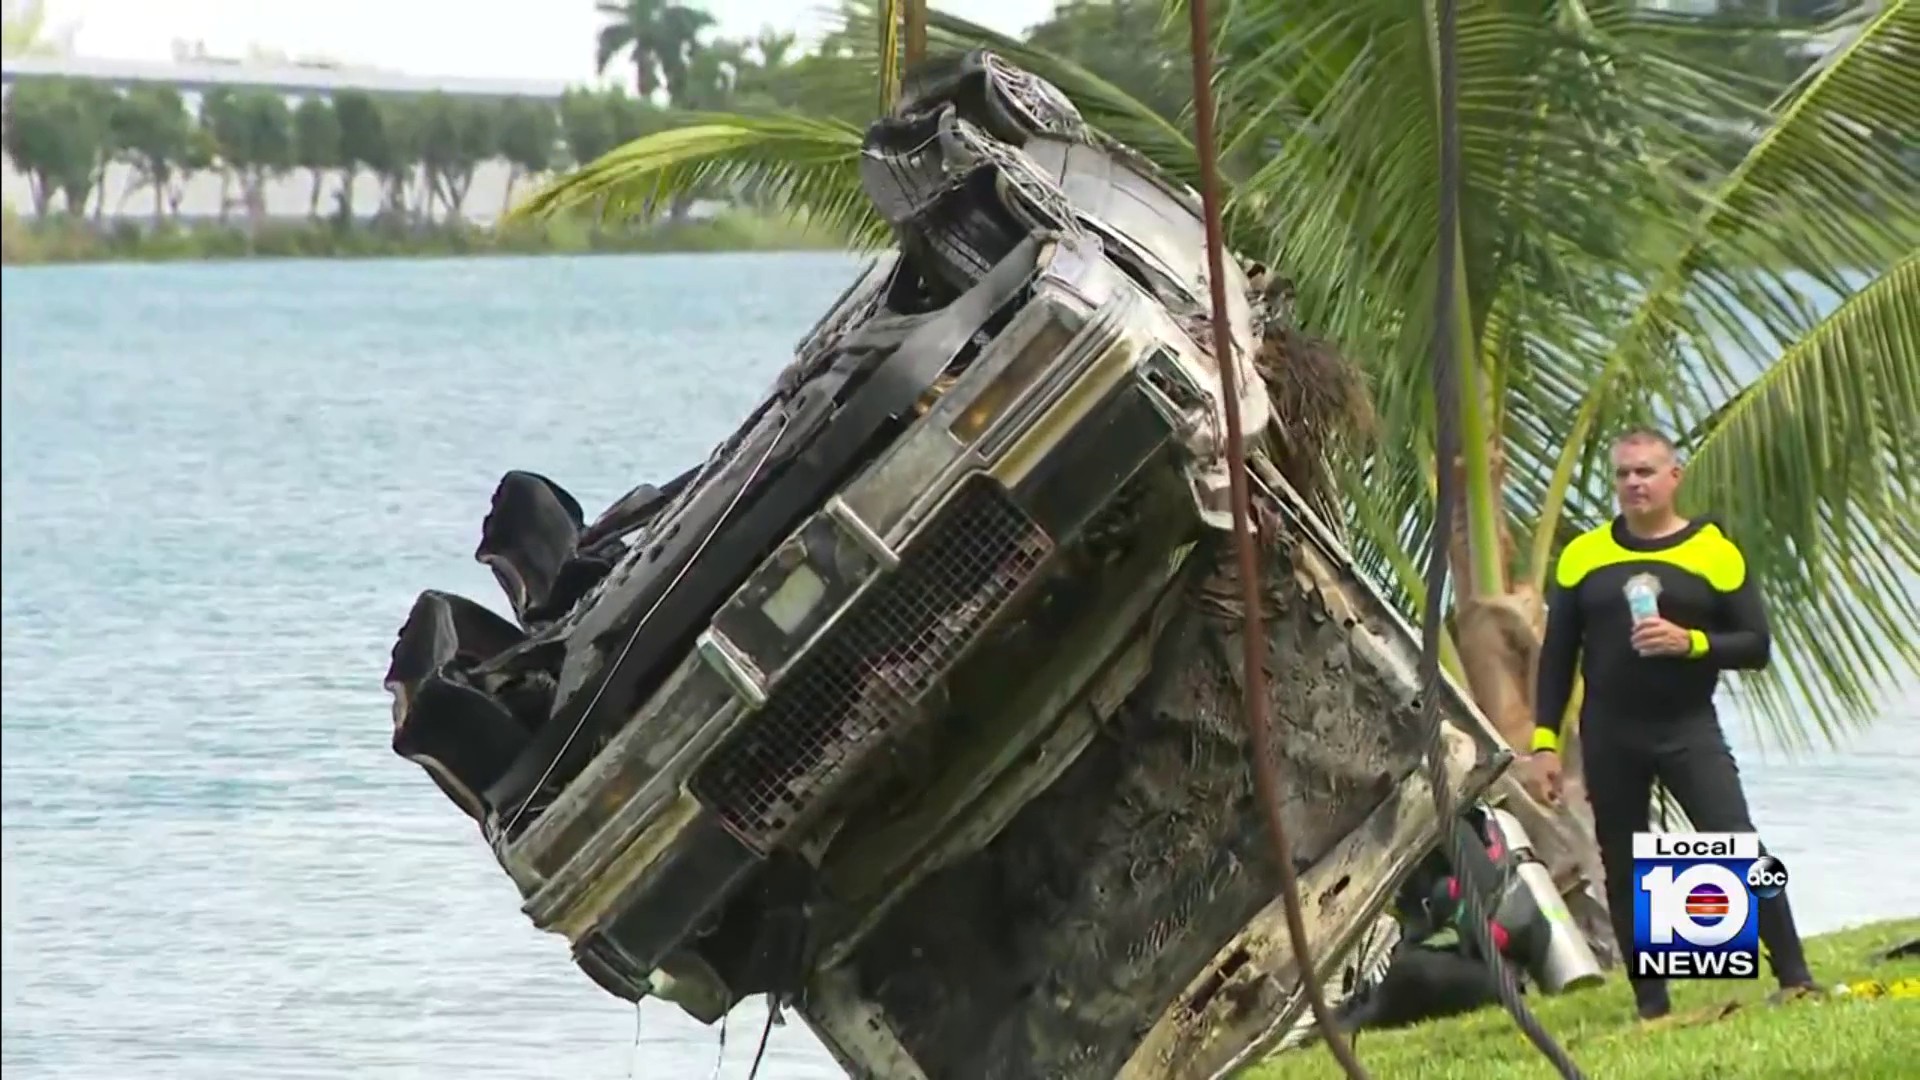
[(1696, 904)]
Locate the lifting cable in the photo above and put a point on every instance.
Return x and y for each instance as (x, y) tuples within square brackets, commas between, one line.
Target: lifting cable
[(1253, 633), (1464, 850)]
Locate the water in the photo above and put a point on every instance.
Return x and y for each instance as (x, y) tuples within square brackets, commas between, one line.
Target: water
[(224, 485)]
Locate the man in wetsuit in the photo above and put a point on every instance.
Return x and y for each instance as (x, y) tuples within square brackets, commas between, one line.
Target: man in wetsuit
[(1648, 710)]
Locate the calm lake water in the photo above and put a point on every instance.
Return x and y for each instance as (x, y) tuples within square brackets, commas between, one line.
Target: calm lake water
[(224, 485)]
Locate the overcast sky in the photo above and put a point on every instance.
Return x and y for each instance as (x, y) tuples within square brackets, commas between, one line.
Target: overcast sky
[(429, 37)]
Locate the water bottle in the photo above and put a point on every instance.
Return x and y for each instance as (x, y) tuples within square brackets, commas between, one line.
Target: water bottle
[(1643, 597)]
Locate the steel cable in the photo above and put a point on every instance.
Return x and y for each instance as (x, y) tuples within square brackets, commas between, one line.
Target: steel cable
[(1470, 860), (1471, 864)]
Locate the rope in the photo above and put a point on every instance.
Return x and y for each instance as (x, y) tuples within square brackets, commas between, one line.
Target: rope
[(766, 1034), (633, 1055), (1253, 636), (606, 679), (720, 1058), (1464, 850)]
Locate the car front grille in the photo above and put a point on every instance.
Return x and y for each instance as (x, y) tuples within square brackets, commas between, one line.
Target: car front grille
[(868, 674)]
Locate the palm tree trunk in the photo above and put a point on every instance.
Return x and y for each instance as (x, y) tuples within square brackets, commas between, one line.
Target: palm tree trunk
[(457, 188), (916, 20), (1499, 644), (253, 191), (1499, 624), (348, 177), (1498, 627), (396, 197), (423, 207), (889, 55)]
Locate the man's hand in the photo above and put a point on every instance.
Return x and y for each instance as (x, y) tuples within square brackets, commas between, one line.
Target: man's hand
[(1543, 777), (1658, 637)]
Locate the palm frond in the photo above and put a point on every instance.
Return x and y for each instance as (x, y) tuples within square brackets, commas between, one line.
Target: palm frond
[(1825, 192), (1815, 469), (810, 167), (612, 40), (1567, 144), (1389, 545)]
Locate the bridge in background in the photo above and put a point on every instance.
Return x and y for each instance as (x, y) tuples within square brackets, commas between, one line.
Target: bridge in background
[(287, 196), (197, 76)]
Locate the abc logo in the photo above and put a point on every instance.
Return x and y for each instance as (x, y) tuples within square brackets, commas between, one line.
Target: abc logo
[(1704, 905), (1767, 877)]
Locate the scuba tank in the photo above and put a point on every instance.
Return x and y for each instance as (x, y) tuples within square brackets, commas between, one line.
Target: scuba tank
[(1555, 953), (1397, 976), (1531, 924)]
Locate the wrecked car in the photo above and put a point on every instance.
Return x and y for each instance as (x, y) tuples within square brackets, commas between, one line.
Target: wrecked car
[(916, 706)]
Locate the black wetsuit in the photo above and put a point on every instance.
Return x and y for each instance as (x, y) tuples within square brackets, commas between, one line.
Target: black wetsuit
[(1646, 717)]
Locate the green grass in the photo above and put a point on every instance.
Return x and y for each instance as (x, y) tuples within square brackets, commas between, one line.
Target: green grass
[(26, 242), (1841, 1038)]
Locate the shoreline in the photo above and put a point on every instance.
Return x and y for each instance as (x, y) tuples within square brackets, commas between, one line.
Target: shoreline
[(58, 241)]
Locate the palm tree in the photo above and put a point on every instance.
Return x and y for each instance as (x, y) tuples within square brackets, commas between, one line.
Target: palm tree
[(1619, 260), (659, 36), (773, 47)]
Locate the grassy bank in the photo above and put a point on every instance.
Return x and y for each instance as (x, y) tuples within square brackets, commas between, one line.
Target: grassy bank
[(27, 242), (1843, 1038)]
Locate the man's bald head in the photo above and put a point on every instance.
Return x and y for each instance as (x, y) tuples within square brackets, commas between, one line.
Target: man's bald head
[(1646, 436)]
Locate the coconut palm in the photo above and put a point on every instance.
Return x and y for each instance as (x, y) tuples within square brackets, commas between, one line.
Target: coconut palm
[(1636, 243), (658, 36), (774, 47)]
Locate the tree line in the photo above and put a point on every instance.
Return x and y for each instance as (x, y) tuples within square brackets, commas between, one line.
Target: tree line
[(424, 150), (63, 134)]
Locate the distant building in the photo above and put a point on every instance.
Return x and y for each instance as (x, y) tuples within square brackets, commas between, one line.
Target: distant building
[(198, 74)]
